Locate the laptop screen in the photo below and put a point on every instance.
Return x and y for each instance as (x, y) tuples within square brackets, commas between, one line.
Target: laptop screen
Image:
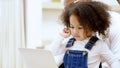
[(37, 58)]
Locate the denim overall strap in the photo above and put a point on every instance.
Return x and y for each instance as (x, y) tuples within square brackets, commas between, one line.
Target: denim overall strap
[(70, 42), (91, 42)]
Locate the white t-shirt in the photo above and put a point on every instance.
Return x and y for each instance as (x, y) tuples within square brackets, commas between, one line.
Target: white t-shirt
[(94, 56)]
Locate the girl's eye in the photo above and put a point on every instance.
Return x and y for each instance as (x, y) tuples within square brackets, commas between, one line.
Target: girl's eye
[(77, 28), (80, 28), (71, 27)]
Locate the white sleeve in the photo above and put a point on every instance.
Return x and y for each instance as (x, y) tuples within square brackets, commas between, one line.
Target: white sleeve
[(56, 46), (59, 59), (58, 49), (109, 57), (114, 34)]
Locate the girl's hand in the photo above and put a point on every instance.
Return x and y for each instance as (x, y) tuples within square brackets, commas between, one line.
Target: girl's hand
[(65, 32)]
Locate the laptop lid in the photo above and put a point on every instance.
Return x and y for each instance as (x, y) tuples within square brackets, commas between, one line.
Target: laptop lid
[(37, 58)]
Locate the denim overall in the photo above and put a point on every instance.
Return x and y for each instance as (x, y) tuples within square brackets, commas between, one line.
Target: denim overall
[(77, 58)]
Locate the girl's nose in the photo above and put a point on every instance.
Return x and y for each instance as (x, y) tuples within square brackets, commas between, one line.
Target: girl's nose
[(76, 31)]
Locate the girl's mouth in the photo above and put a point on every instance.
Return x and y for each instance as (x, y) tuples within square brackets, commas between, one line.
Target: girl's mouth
[(77, 36)]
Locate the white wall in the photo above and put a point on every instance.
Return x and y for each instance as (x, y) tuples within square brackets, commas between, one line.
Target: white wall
[(33, 23), (51, 24)]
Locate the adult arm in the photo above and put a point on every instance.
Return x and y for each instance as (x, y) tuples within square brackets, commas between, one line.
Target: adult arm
[(109, 56), (114, 34)]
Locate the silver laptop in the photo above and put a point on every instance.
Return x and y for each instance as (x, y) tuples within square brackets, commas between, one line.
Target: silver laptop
[(37, 58)]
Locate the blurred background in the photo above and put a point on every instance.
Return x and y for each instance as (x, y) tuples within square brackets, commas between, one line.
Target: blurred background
[(30, 24)]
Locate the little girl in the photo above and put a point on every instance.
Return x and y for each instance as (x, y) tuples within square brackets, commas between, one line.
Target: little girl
[(82, 49)]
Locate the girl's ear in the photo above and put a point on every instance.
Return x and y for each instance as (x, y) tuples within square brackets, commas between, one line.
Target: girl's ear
[(88, 32)]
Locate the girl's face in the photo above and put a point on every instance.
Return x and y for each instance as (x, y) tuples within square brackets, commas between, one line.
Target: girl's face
[(76, 29)]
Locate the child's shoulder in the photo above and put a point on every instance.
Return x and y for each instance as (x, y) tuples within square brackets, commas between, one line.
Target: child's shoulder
[(101, 42)]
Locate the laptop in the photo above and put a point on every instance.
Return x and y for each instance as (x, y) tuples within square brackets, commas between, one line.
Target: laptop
[(37, 58)]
